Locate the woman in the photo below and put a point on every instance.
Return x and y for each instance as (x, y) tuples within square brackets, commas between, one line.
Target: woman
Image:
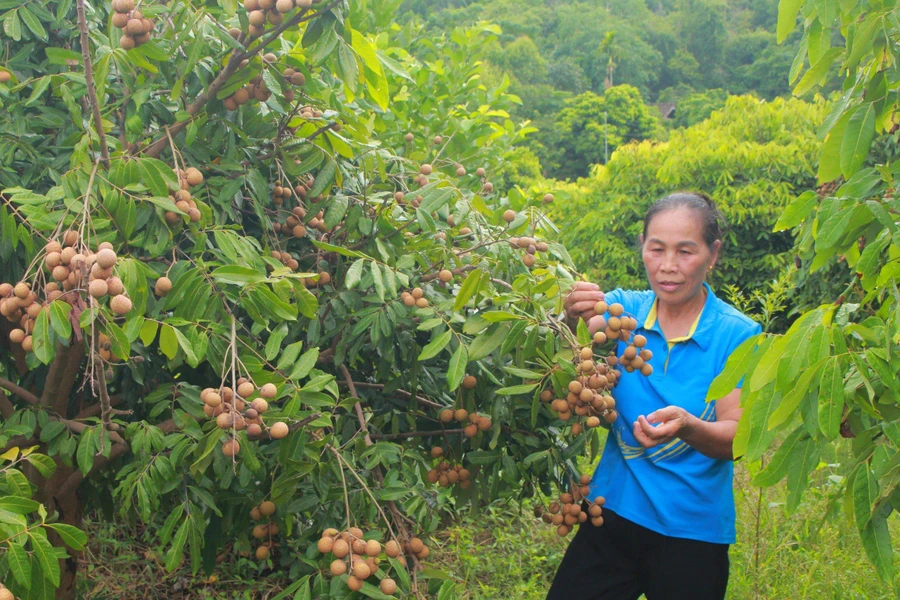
[(666, 470)]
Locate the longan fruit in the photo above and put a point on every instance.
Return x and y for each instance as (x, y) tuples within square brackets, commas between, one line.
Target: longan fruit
[(575, 386), (267, 508), (355, 584), (646, 369), (392, 549), (640, 341), (279, 430), (231, 448), (460, 415), (388, 586), (460, 171), (260, 531), (616, 309), (509, 215), (592, 422), (469, 382), (416, 545), (325, 545), (446, 415), (262, 553), (373, 548), (16, 336), (445, 275), (417, 293), (358, 547), (260, 405), (338, 567), (426, 169), (246, 389), (98, 288), (163, 286), (121, 304), (255, 514), (268, 391)]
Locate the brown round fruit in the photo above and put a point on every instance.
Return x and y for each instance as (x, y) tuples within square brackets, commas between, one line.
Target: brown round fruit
[(388, 586), (341, 548), (121, 305), (392, 549), (416, 545), (445, 275), (509, 216), (98, 288), (163, 286), (231, 448), (262, 553), (426, 169), (267, 508), (106, 258), (338, 567), (373, 548), (325, 545), (354, 583), (279, 430), (469, 382), (268, 391)]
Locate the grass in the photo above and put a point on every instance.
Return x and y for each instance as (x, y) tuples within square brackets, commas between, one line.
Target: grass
[(506, 553)]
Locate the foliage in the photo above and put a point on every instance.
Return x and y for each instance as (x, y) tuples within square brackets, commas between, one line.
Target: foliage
[(31, 559), (299, 208), (833, 373), (751, 157), (591, 127)]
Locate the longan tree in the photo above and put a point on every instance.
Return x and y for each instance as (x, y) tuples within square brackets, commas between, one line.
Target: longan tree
[(260, 291)]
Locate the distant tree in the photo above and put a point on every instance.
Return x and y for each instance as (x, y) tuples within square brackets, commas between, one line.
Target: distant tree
[(697, 107), (584, 131), (522, 59)]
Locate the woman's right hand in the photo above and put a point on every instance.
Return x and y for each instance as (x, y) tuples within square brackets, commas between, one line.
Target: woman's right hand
[(579, 304)]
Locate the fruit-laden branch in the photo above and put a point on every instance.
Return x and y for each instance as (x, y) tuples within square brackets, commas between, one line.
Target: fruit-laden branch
[(392, 506), (455, 271), (89, 80), (305, 421), (154, 149), (19, 391)]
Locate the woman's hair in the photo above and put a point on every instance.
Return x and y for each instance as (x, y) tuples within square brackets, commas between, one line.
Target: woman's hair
[(712, 220)]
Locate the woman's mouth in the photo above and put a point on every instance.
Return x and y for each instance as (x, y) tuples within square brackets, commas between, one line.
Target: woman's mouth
[(668, 286)]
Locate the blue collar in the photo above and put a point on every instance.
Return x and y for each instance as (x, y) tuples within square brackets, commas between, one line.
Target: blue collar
[(703, 334)]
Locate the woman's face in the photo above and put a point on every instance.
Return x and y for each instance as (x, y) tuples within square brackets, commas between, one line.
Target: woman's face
[(676, 256)]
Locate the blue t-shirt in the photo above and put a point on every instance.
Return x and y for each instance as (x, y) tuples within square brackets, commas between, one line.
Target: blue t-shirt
[(672, 488)]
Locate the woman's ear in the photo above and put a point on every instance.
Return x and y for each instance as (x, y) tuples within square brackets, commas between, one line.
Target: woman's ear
[(715, 253)]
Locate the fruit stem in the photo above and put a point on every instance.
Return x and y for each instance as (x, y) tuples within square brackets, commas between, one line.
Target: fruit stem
[(89, 80)]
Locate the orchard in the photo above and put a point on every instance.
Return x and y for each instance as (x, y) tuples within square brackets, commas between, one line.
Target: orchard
[(258, 284)]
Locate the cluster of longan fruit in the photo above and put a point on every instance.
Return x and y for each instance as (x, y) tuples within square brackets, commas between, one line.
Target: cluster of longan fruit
[(264, 531), (286, 259), (135, 27), (256, 89), (620, 327), (473, 422), (293, 225), (445, 474), (361, 557), (400, 198), (233, 412), (71, 265), (260, 12), (530, 245), (310, 112), (568, 510), (415, 298), (183, 199)]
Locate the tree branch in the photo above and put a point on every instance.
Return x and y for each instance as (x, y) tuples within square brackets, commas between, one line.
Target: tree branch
[(19, 391), (89, 80), (6, 407), (379, 386), (414, 434), (75, 479)]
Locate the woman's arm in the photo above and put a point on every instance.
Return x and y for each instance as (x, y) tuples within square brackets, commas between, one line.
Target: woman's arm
[(714, 439), (579, 304)]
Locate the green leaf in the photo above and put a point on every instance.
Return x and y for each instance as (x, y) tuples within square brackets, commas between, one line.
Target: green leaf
[(289, 355), (324, 178), (46, 557), (787, 17), (797, 211), (735, 368), (19, 505), (148, 331), (71, 536), (11, 25), (767, 369), (831, 399), (456, 368), (86, 450), (488, 341), (43, 346), (159, 177), (830, 158), (516, 389), (468, 289), (435, 346), (118, 341), (185, 344), (305, 364), (237, 275), (857, 139), (818, 71), (33, 23), (377, 280), (354, 273), (18, 562), (792, 398), (59, 319)]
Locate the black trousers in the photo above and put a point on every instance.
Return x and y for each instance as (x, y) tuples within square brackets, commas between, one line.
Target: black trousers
[(621, 560)]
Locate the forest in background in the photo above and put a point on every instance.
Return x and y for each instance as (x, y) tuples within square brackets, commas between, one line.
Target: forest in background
[(562, 56)]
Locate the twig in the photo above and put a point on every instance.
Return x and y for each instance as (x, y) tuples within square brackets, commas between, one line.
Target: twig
[(89, 80), (413, 434)]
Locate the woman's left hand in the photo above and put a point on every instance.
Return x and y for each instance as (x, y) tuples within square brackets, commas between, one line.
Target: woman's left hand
[(661, 426)]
